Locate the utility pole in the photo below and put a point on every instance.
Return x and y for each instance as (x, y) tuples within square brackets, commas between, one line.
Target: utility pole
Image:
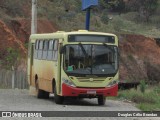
[(34, 17)]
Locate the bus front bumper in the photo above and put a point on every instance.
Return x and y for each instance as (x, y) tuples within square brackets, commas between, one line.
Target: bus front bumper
[(74, 91)]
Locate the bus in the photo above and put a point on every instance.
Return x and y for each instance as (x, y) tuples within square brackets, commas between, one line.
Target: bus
[(79, 64)]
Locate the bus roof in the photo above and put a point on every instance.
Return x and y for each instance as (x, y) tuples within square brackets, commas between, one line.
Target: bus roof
[(61, 34)]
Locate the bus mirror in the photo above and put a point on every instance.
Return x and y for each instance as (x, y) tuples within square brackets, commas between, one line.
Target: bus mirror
[(62, 49)]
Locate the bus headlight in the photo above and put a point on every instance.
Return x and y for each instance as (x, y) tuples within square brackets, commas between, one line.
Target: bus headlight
[(68, 82), (114, 82)]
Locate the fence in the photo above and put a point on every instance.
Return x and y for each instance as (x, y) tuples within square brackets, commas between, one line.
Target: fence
[(13, 79)]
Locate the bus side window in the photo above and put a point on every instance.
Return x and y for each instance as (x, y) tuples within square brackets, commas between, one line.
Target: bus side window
[(35, 49), (55, 50), (45, 49), (50, 50), (40, 49)]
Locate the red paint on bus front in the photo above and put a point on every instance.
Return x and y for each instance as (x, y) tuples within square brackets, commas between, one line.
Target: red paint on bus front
[(74, 91)]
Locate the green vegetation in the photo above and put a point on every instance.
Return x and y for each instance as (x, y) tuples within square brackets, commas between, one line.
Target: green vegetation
[(11, 57), (142, 86), (146, 101), (117, 16), (135, 17)]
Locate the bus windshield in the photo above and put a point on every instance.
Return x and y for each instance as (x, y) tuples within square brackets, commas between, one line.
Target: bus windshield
[(90, 59)]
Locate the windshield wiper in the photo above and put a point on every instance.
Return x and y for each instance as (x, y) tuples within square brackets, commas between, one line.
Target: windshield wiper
[(83, 50), (107, 46)]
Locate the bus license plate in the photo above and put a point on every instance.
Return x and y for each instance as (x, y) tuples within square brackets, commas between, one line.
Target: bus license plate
[(91, 92)]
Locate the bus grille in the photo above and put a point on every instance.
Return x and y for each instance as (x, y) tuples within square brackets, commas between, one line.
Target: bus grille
[(91, 79)]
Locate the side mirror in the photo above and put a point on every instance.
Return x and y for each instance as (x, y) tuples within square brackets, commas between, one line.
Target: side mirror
[(63, 49)]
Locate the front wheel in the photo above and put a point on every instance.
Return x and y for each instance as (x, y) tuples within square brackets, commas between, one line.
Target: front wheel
[(101, 100), (58, 99), (41, 93)]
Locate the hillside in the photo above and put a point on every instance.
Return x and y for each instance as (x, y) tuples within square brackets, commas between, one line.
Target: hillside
[(139, 56), (139, 59)]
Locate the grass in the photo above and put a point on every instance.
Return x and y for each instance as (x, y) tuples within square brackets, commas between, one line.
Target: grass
[(147, 101), (126, 23)]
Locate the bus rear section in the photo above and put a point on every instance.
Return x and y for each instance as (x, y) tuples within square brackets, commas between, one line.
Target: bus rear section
[(86, 66)]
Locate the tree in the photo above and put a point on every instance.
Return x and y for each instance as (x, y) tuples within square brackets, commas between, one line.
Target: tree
[(145, 8), (113, 5)]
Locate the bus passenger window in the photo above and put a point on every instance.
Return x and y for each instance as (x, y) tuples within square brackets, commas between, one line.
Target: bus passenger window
[(55, 50), (36, 49), (50, 50), (37, 44), (45, 48), (56, 45), (40, 49)]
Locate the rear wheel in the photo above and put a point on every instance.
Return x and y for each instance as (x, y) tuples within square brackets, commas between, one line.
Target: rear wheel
[(41, 93), (46, 94), (101, 100), (58, 99)]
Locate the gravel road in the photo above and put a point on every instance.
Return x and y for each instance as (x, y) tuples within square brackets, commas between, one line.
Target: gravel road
[(21, 100)]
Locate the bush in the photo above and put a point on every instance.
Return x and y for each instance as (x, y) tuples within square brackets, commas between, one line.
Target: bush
[(104, 17), (150, 100), (118, 25), (143, 98), (155, 20), (142, 86), (11, 57)]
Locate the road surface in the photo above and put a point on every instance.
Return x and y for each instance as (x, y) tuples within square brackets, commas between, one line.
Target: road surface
[(21, 100)]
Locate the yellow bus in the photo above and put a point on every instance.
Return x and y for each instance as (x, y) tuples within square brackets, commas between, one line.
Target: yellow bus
[(80, 64)]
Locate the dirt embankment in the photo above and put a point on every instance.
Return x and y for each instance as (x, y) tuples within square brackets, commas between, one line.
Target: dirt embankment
[(8, 39), (139, 59), (22, 28), (15, 34)]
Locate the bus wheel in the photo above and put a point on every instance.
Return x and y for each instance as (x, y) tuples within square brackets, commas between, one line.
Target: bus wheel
[(58, 99), (41, 93), (101, 100), (46, 95)]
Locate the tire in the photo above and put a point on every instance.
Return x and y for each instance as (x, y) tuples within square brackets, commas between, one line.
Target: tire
[(41, 93), (81, 98), (101, 100), (58, 99), (46, 95)]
